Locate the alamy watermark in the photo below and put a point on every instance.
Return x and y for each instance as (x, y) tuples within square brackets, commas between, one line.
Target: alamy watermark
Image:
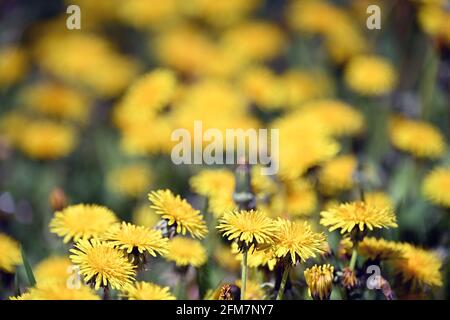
[(212, 147)]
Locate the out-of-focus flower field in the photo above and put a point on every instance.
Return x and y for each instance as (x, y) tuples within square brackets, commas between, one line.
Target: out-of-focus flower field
[(93, 207)]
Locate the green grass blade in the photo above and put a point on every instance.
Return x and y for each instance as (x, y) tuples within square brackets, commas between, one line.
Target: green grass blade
[(28, 269)]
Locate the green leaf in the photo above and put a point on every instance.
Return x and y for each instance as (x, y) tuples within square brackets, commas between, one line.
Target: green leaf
[(28, 269)]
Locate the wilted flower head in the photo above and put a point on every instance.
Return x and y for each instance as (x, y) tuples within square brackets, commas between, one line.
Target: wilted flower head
[(320, 281)]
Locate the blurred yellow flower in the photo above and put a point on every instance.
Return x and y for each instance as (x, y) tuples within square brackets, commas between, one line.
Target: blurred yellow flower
[(10, 256), (224, 256), (370, 75), (57, 291), (336, 175), (13, 65), (253, 290), (417, 137), (142, 290), (372, 248), (178, 212), (436, 186), (82, 221), (145, 216), (102, 265), (359, 214), (47, 140), (378, 199), (130, 180), (146, 14), (210, 182), (53, 269), (185, 252), (300, 198), (320, 281), (256, 258)]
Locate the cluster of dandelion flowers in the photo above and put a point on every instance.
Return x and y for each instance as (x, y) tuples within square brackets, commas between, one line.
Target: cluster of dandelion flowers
[(249, 227), (10, 256), (357, 214), (320, 281), (82, 221), (185, 252), (370, 75), (419, 138), (142, 290), (382, 249), (131, 238), (296, 241), (419, 267), (436, 186), (178, 212), (102, 265), (57, 291)]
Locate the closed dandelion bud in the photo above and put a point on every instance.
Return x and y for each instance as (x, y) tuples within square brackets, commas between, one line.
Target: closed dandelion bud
[(349, 280), (229, 292), (320, 281), (57, 199)]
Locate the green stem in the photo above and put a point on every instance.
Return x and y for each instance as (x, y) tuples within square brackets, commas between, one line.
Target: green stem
[(353, 259), (283, 283), (244, 273)]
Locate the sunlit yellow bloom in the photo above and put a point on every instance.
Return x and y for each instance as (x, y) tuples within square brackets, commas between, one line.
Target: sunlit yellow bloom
[(347, 216), (296, 241), (82, 221), (58, 291), (102, 265), (373, 248), (345, 42), (337, 175), (47, 140), (434, 19), (256, 258), (337, 118), (370, 75), (13, 65), (130, 238), (130, 180), (213, 182), (53, 269), (251, 227), (320, 281), (436, 186), (253, 290), (10, 255), (178, 212), (185, 252), (419, 138), (255, 40), (145, 216), (142, 290), (57, 100), (419, 266)]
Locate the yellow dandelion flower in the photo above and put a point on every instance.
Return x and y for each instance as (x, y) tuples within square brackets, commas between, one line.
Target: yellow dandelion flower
[(10, 256), (185, 252), (145, 216), (212, 182), (336, 175), (336, 117), (247, 226), (47, 140), (300, 198), (82, 221), (58, 291), (178, 212), (419, 138), (373, 249), (102, 265), (12, 126), (142, 290), (345, 247), (370, 75), (256, 258), (378, 199), (358, 214), (320, 281), (296, 240), (13, 65), (224, 256), (53, 269), (130, 180), (129, 237), (139, 14), (220, 203), (57, 100), (420, 266), (253, 290), (436, 186)]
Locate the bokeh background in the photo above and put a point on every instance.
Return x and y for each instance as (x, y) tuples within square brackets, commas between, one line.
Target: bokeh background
[(86, 115)]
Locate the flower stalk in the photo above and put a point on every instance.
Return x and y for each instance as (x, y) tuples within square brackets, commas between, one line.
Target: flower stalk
[(283, 283)]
